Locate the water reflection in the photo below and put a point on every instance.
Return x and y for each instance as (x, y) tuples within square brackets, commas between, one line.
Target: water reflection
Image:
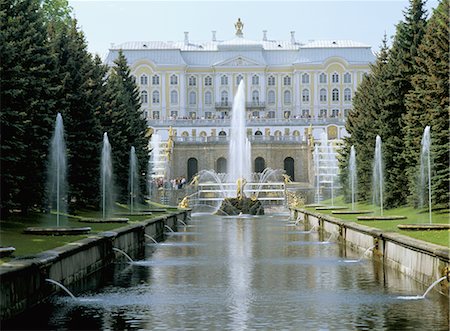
[(239, 274)]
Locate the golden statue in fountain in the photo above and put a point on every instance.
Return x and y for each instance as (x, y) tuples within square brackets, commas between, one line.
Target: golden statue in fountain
[(240, 188), (184, 203)]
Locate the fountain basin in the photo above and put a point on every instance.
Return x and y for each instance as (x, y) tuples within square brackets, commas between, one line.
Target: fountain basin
[(237, 206), (380, 218), (331, 208), (103, 220), (59, 231), (6, 251), (423, 227), (351, 212)]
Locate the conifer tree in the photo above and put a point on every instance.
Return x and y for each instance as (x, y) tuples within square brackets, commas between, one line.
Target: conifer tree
[(28, 105), (124, 122), (428, 104), (401, 67), (80, 96)]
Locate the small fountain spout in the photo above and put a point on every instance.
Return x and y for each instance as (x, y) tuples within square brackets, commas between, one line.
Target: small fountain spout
[(365, 252), (123, 253), (168, 227), (150, 237), (61, 286)]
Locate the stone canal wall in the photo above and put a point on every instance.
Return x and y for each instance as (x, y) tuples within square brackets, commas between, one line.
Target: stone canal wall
[(424, 262), (22, 281)]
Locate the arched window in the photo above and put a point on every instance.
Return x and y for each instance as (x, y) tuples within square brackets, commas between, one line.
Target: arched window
[(174, 97), (289, 167), (222, 133), (335, 78), (347, 94), (192, 98), (208, 98), (258, 133), (224, 98), (322, 78), (144, 79), (155, 97), (144, 97), (260, 164), (192, 81), (255, 80), (221, 167), (347, 78), (238, 79), (287, 80), (208, 81), (305, 79), (155, 80), (335, 95), (305, 95), (271, 81), (271, 98), (174, 80), (192, 168), (255, 97), (224, 80), (323, 95), (287, 97)]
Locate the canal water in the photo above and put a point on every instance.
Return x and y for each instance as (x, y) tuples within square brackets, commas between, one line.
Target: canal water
[(246, 273)]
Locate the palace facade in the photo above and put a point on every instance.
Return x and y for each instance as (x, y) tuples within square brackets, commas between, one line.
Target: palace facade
[(292, 88)]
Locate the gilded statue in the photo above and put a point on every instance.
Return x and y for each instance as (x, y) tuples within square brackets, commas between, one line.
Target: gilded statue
[(184, 203), (240, 188), (194, 180), (287, 179), (239, 26)]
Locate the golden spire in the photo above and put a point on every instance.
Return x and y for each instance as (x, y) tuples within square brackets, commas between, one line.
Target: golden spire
[(239, 26)]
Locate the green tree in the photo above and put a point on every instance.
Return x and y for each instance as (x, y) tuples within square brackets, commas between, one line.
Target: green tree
[(57, 13), (428, 104), (79, 99), (28, 104), (124, 122), (400, 69)]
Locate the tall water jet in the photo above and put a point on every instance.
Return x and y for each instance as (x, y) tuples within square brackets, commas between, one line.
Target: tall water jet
[(316, 170), (352, 175), (425, 170), (239, 149), (156, 165), (133, 179), (106, 178), (378, 177), (57, 171)]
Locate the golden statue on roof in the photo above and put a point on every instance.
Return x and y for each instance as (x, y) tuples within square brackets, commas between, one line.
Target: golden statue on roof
[(239, 26)]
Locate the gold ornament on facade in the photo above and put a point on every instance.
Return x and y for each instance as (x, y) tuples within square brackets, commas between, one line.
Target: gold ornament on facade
[(184, 203)]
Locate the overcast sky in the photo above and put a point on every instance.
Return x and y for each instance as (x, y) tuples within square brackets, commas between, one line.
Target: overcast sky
[(113, 21)]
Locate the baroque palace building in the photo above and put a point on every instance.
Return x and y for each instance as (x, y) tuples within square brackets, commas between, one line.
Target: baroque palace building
[(293, 90)]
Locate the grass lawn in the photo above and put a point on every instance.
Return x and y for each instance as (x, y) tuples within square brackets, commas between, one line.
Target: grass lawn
[(11, 230), (414, 216)]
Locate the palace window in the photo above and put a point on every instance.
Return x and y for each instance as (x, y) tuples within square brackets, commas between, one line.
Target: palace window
[(323, 113), (238, 79), (192, 98), (174, 114), (334, 112), (335, 95), (323, 95), (144, 80), (322, 78), (347, 95), (305, 113), (224, 98), (271, 81), (155, 97), (347, 78), (155, 80), (174, 97), (335, 78), (287, 80), (192, 81), (208, 98), (224, 80), (255, 97), (271, 114), (208, 81), (144, 97), (271, 97), (305, 79), (305, 95), (155, 115), (287, 97), (174, 80), (255, 80)]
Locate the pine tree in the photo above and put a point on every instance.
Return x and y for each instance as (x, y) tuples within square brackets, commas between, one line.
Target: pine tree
[(28, 105), (428, 104), (80, 97), (401, 67), (124, 123)]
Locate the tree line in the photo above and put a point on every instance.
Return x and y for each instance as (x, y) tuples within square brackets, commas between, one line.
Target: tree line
[(46, 69), (406, 90)]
